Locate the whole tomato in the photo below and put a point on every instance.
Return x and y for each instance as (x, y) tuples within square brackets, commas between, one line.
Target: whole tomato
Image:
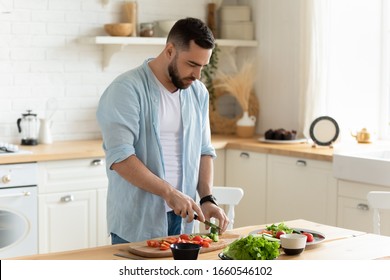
[(310, 237), (279, 233)]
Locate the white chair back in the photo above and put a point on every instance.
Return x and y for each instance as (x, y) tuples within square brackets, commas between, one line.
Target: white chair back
[(378, 200), (229, 197)]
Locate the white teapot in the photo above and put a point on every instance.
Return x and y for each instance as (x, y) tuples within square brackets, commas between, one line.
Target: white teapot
[(246, 120)]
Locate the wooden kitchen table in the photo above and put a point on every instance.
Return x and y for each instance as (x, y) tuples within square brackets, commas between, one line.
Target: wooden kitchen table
[(339, 244)]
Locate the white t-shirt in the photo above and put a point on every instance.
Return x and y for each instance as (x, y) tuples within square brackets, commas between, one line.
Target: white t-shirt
[(171, 136)]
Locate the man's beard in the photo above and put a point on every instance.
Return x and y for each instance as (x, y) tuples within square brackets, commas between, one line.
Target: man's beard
[(177, 81)]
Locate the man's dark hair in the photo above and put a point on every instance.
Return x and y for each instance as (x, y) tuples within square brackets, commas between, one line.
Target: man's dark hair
[(188, 29)]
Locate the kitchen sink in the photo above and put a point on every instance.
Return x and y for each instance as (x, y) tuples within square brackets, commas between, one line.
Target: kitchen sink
[(380, 155), (368, 165)]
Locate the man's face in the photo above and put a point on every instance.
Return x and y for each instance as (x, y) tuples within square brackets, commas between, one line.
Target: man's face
[(186, 66)]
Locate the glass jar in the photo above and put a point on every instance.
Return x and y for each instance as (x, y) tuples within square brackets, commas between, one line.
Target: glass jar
[(147, 29)]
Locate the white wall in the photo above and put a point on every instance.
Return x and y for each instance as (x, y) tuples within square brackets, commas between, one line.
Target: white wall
[(279, 57), (40, 58)]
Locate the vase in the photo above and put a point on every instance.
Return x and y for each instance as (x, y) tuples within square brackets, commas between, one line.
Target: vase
[(45, 132), (246, 126)]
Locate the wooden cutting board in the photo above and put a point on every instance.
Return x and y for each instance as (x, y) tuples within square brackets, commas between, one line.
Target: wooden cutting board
[(143, 250)]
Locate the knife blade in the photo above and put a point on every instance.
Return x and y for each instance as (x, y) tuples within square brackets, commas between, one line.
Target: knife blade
[(208, 223)]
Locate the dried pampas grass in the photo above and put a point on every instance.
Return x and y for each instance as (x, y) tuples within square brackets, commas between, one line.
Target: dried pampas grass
[(238, 85)]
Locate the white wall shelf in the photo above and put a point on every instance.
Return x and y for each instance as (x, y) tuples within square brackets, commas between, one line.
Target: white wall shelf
[(112, 45)]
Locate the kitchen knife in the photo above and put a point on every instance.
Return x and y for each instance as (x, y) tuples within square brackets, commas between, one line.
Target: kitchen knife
[(208, 223)]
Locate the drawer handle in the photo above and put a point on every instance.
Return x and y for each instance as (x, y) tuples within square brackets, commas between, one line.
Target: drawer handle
[(301, 162), (6, 179), (362, 206), (16, 195), (97, 162), (244, 155), (67, 198)]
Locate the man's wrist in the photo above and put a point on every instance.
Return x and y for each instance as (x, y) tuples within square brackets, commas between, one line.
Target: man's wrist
[(208, 198)]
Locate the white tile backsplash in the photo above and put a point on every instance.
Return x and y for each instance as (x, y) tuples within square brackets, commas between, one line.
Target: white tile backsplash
[(40, 58)]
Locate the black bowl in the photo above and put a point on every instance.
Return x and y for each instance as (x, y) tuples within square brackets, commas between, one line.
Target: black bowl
[(185, 251), (293, 251)]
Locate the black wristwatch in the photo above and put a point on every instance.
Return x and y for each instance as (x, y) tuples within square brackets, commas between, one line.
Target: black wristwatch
[(209, 198)]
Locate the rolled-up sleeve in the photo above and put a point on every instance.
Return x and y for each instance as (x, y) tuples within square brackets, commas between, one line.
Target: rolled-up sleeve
[(207, 148), (118, 117)]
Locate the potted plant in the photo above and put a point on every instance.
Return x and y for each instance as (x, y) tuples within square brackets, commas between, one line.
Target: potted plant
[(208, 74), (240, 85)]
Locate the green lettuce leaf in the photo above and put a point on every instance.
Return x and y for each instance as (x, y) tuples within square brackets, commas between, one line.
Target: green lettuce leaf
[(252, 248)]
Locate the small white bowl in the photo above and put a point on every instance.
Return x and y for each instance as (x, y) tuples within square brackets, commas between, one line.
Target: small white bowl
[(293, 243)]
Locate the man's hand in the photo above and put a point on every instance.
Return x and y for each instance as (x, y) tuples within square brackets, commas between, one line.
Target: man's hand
[(183, 205), (211, 210)]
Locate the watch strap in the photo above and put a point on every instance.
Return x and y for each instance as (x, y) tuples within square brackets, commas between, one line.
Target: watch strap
[(208, 198)]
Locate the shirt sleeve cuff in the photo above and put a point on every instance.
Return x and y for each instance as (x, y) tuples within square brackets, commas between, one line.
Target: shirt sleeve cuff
[(119, 154)]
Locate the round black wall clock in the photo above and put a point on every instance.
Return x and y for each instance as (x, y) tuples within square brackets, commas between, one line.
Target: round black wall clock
[(324, 131)]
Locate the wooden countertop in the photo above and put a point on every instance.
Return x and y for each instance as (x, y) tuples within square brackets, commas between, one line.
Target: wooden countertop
[(56, 151), (339, 244), (304, 150), (93, 148)]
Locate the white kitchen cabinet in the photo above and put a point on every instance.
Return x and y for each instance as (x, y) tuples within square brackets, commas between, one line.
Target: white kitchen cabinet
[(103, 238), (67, 221), (219, 168), (300, 189), (353, 210), (247, 170), (71, 203)]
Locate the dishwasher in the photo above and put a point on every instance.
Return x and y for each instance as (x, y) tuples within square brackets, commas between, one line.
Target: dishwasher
[(18, 210)]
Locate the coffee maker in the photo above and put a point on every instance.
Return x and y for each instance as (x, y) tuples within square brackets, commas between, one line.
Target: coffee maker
[(28, 127)]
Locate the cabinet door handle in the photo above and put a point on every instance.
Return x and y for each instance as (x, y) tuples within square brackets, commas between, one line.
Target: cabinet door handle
[(244, 155), (301, 162), (67, 198), (97, 162), (363, 206)]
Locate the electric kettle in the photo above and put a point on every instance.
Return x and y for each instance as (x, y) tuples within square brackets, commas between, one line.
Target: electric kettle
[(28, 127)]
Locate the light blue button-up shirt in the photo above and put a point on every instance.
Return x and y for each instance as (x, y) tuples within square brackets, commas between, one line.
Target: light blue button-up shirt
[(128, 117)]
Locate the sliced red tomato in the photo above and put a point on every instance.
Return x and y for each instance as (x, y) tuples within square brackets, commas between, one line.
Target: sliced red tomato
[(171, 240), (207, 239), (164, 245), (184, 236), (153, 243), (197, 238)]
